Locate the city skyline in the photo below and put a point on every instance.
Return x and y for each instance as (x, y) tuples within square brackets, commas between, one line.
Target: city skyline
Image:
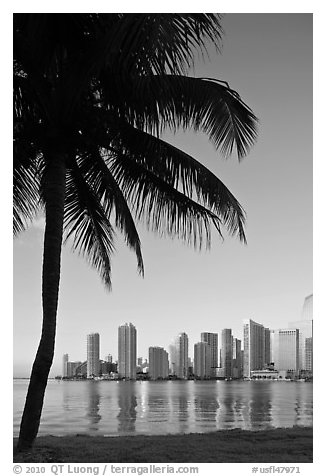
[(260, 346), (207, 291)]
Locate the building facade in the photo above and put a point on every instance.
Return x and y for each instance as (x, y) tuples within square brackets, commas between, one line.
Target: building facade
[(72, 368), (236, 358), (286, 350), (181, 355), (93, 355), (305, 326), (212, 340), (226, 353), (202, 360), (127, 351), (158, 363), (65, 360), (253, 346)]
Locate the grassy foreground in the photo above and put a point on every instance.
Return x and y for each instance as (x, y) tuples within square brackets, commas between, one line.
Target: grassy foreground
[(281, 445)]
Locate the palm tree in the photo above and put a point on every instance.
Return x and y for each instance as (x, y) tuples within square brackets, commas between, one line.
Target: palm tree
[(93, 94)]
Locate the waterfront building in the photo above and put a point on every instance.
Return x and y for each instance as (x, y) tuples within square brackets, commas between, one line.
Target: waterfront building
[(309, 354), (65, 359), (236, 358), (158, 363), (173, 358), (307, 309), (212, 340), (253, 346), (181, 355), (71, 368), (267, 357), (81, 370), (202, 360), (127, 351), (93, 355), (226, 352), (286, 350), (305, 326)]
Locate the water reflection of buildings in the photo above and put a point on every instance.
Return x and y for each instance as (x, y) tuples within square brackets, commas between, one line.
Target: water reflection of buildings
[(205, 406), (225, 413), (127, 402), (180, 405), (260, 406), (93, 408)]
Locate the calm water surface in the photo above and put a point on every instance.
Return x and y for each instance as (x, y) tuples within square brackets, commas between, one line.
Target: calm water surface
[(129, 408)]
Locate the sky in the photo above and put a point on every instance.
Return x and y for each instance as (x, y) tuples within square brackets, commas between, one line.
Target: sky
[(268, 60)]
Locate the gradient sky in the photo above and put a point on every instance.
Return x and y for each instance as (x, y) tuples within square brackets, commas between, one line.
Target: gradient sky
[(268, 59)]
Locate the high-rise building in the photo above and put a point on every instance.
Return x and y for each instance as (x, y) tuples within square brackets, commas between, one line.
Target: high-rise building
[(202, 360), (307, 309), (309, 354), (286, 349), (158, 363), (212, 340), (127, 351), (181, 355), (305, 326), (226, 352), (267, 357), (173, 358), (93, 355), (253, 346), (236, 358), (65, 359), (71, 368)]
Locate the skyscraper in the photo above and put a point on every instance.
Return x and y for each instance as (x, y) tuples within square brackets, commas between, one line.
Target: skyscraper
[(127, 351), (236, 358), (212, 340), (158, 363), (93, 355), (202, 360), (286, 349), (307, 309), (226, 352), (305, 326), (65, 359), (181, 355), (253, 346)]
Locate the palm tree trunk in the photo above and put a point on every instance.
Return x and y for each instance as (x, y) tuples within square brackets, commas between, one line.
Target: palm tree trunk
[(54, 195)]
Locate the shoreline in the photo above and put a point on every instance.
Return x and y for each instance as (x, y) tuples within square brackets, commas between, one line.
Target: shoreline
[(277, 445)]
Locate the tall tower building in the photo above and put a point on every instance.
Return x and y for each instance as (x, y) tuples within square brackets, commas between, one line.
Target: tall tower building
[(212, 340), (158, 363), (65, 360), (181, 355), (267, 357), (305, 326), (236, 358), (226, 352), (307, 309), (202, 360), (93, 355), (286, 349), (127, 351), (253, 346), (309, 354)]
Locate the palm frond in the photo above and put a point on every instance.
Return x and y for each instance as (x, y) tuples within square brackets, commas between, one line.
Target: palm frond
[(93, 167), (26, 174), (163, 208), (154, 103), (180, 170), (87, 222)]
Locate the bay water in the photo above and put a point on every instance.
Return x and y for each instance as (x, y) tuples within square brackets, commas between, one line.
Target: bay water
[(115, 408)]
